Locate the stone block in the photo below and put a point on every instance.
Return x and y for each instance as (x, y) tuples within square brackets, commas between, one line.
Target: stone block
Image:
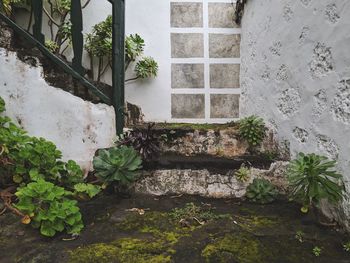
[(186, 14), (187, 106), (187, 45), (224, 45), (187, 76), (224, 76), (224, 106), (222, 15)]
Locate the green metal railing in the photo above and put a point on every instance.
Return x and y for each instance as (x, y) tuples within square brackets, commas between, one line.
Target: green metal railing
[(76, 69)]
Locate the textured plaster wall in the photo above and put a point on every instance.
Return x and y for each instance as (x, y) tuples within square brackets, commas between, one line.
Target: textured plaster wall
[(77, 127), (295, 73)]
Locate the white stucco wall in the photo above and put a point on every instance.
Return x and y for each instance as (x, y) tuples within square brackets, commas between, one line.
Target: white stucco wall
[(295, 73), (77, 127)]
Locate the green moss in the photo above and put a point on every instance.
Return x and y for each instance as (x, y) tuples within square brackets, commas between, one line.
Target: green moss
[(124, 250), (195, 126), (235, 248), (163, 232), (254, 223), (96, 253)]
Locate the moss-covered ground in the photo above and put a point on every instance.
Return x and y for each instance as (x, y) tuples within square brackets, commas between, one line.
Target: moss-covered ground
[(181, 229)]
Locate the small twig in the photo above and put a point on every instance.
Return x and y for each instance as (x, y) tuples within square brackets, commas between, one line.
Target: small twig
[(30, 18), (50, 17), (128, 80), (106, 67), (86, 4), (3, 211)]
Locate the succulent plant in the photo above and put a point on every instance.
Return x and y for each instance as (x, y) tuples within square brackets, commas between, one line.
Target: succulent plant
[(252, 129), (117, 164), (143, 141), (261, 191), (242, 174), (312, 178)]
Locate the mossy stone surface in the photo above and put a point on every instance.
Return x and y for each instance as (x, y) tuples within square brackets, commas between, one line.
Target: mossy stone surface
[(177, 230)]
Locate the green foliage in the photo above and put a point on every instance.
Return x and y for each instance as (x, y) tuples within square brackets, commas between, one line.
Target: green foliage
[(7, 4), (52, 46), (27, 159), (312, 178), (46, 181), (89, 189), (134, 46), (252, 129), (99, 41), (242, 174), (118, 164), (146, 68), (99, 45), (317, 251), (61, 6), (2, 105), (49, 208), (299, 235), (261, 191), (346, 247), (65, 31)]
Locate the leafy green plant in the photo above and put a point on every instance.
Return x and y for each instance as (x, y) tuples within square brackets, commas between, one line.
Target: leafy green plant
[(45, 184), (242, 174), (346, 247), (2, 105), (317, 251), (146, 68), (261, 191), (49, 208), (299, 235), (89, 189), (252, 129), (52, 46), (313, 178), (99, 46), (118, 164)]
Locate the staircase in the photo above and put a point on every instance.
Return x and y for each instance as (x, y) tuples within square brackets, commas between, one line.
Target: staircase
[(197, 161)]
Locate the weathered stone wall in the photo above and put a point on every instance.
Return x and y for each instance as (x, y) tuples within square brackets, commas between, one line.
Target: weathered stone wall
[(77, 127), (205, 183), (295, 73), (221, 142)]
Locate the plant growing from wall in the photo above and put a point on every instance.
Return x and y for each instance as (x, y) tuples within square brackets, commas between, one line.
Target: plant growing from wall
[(99, 46), (117, 164), (145, 142), (252, 129), (242, 174), (261, 191), (49, 208), (313, 178)]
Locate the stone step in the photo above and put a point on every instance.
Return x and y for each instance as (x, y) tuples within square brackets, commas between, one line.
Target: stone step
[(203, 182), (213, 164)]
